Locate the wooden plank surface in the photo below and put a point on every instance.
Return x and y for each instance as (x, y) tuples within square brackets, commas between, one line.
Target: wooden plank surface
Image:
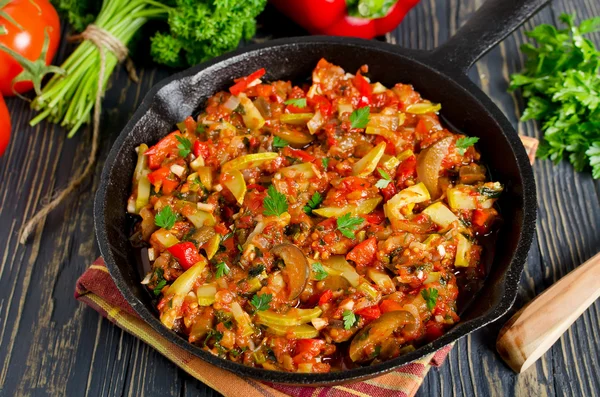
[(50, 345)]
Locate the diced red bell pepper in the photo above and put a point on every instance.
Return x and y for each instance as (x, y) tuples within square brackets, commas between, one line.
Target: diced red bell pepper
[(344, 18), (481, 218), (389, 191), (169, 186), (160, 179), (221, 228), (364, 88), (375, 217), (325, 297), (186, 254), (406, 170), (301, 154), (389, 305), (363, 253), (319, 102), (157, 153), (369, 313), (201, 149), (242, 83)]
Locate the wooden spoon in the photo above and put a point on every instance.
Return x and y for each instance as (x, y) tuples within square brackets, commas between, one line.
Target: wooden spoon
[(535, 328)]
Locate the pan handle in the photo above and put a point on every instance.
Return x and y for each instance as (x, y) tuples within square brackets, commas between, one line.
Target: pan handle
[(492, 22)]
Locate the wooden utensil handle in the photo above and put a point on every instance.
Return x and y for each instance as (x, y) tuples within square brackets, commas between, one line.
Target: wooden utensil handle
[(535, 328)]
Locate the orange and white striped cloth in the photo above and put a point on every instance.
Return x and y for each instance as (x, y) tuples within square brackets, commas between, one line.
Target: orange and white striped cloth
[(96, 289)]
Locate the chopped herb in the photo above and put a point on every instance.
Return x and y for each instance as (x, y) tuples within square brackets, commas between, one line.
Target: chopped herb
[(360, 117), (240, 248), (161, 284), (166, 218), (346, 224), (275, 203), (462, 144), (185, 146), (430, 295), (385, 179), (213, 334), (298, 102), (279, 143), (313, 203), (256, 270), (240, 110), (261, 302), (222, 270), (325, 162), (225, 237), (320, 272), (200, 128), (349, 319)]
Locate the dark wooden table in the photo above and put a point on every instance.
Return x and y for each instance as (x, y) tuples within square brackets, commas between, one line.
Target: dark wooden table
[(52, 345)]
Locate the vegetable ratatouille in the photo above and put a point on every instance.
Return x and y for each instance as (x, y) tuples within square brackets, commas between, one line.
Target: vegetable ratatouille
[(311, 228)]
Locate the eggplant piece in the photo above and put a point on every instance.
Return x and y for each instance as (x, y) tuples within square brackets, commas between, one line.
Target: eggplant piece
[(429, 163), (296, 269), (380, 330)]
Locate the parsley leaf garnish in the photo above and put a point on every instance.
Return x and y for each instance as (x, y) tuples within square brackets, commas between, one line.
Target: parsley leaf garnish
[(275, 203), (313, 203), (166, 218), (222, 270), (279, 142), (385, 179), (462, 144), (298, 102), (560, 84), (261, 302), (360, 117), (325, 162), (346, 224), (430, 295), (185, 146), (349, 319), (320, 272)]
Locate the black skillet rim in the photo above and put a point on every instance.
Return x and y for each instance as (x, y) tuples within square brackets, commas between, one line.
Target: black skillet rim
[(511, 276)]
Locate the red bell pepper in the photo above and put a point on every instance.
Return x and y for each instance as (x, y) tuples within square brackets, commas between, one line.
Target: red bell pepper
[(369, 313), (186, 254), (325, 297), (242, 83), (157, 153), (358, 18)]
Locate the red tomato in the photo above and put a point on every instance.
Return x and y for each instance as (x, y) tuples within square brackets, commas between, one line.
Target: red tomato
[(363, 253), (311, 346), (4, 125), (35, 19)]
